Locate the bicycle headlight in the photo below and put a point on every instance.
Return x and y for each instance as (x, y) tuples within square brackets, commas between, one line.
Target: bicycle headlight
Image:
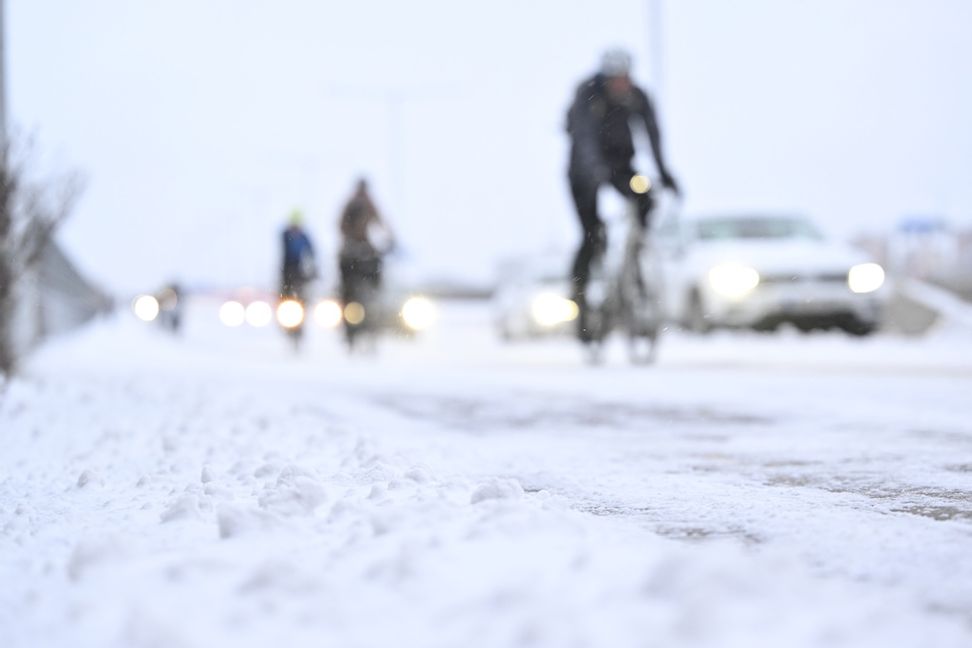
[(640, 184), (865, 278), (733, 280), (549, 309), (290, 313), (354, 313)]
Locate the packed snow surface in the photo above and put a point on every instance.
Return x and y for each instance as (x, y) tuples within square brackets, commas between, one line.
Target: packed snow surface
[(219, 490)]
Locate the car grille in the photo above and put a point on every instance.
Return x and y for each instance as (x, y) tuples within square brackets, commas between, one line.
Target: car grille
[(823, 277)]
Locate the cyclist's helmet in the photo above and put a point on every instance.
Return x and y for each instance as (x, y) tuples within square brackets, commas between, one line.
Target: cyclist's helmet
[(616, 62)]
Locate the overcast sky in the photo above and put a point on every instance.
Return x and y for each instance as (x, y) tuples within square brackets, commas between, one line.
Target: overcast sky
[(200, 123)]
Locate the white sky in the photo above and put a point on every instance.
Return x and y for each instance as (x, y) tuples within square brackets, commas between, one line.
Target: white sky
[(200, 123)]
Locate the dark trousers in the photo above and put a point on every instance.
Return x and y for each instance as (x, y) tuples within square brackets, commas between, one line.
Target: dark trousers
[(584, 190), (292, 281), (359, 274)]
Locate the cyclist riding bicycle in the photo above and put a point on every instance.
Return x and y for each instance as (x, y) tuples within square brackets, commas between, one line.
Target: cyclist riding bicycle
[(299, 269), (361, 254), (602, 148), (299, 266)]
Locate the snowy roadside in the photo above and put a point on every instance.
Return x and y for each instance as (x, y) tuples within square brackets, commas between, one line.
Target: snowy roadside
[(155, 495)]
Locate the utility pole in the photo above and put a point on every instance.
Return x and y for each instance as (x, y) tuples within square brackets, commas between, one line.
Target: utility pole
[(394, 101), (3, 82), (656, 48)]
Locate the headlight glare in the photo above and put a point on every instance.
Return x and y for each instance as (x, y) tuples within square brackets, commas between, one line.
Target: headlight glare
[(733, 280), (640, 184), (259, 314), (232, 313), (418, 313), (146, 307), (549, 309), (865, 278), (328, 313), (290, 313), (354, 313)]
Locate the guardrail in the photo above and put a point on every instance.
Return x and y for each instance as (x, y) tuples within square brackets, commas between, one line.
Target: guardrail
[(52, 298), (917, 306)]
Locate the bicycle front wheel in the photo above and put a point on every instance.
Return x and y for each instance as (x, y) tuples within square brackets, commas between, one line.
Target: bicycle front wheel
[(642, 319)]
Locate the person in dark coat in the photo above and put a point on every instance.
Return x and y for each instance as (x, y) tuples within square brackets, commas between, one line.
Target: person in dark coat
[(602, 148), (360, 256)]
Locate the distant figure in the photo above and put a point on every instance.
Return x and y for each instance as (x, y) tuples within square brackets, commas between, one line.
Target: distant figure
[(299, 266), (601, 152), (171, 307), (361, 252)]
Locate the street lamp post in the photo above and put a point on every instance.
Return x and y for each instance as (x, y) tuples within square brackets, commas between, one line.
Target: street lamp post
[(3, 82), (394, 100), (656, 48)]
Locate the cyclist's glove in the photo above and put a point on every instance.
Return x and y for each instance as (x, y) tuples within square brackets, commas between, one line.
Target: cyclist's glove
[(669, 183)]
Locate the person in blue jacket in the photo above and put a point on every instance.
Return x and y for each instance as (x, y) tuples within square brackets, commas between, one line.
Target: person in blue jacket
[(299, 265)]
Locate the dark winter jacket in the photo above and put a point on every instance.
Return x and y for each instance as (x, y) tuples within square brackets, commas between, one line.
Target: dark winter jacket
[(600, 130), (297, 247)]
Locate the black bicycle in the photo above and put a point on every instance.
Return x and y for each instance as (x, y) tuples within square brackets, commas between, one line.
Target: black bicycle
[(361, 296), (624, 293), (292, 306), (291, 313)]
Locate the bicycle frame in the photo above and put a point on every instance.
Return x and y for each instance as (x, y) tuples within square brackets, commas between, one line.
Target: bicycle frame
[(623, 296)]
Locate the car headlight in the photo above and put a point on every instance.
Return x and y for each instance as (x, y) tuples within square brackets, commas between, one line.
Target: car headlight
[(259, 314), (549, 309), (328, 313), (290, 313), (232, 313), (418, 313), (865, 278), (146, 307), (733, 280)]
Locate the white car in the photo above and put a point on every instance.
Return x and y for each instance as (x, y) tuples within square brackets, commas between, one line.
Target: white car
[(532, 298), (759, 271)]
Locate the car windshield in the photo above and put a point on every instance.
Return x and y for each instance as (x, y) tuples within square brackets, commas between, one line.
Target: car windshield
[(718, 229)]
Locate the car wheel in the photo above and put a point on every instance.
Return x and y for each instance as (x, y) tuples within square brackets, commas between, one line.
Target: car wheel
[(767, 326), (806, 327), (858, 327), (696, 320)]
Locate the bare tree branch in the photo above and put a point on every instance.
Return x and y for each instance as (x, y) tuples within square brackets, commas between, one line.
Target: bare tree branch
[(30, 211)]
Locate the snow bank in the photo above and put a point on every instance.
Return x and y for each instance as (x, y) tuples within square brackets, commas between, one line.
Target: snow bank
[(154, 495)]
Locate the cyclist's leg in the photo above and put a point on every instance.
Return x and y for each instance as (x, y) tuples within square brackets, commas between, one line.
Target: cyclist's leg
[(375, 271), (350, 290), (346, 268), (288, 280), (584, 192), (643, 202), (372, 277), (621, 180)]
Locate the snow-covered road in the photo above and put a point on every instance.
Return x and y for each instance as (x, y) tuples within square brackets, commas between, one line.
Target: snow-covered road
[(453, 491)]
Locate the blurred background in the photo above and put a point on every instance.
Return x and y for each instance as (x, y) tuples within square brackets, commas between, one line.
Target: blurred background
[(199, 125)]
